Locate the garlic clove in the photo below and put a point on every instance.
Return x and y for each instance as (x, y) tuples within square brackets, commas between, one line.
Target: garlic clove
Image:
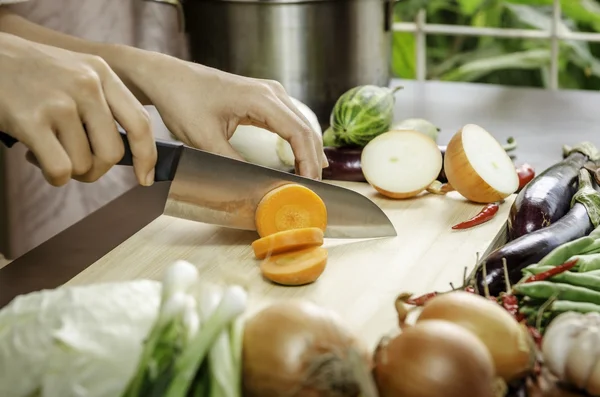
[(557, 341), (582, 357), (566, 317), (593, 383), (592, 319)]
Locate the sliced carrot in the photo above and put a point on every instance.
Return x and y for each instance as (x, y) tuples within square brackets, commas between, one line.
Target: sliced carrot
[(287, 240), (290, 206), (295, 267)]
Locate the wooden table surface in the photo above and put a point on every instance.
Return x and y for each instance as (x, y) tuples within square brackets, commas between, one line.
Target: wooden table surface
[(541, 121)]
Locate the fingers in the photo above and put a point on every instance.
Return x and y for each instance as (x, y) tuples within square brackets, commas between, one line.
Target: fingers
[(317, 138), (72, 137), (50, 156), (134, 119), (280, 119)]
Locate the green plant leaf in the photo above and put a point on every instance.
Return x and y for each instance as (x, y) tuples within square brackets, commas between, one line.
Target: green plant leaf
[(464, 57), (531, 59), (579, 51), (586, 11), (403, 55), (469, 7)]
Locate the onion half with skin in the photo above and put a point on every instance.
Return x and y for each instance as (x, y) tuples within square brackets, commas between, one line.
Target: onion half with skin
[(478, 167), (297, 348), (511, 346), (433, 359)]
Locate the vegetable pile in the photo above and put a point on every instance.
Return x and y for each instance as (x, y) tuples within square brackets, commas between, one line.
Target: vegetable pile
[(546, 278), (179, 337)]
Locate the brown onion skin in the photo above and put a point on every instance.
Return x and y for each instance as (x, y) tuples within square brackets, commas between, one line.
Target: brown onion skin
[(297, 348), (434, 359), (513, 357)]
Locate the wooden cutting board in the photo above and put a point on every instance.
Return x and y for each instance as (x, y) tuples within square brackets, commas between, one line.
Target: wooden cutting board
[(362, 278)]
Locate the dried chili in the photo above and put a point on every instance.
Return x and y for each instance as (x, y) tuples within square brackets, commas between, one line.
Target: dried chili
[(552, 272), (526, 173), (536, 335), (421, 300), (511, 304), (487, 213)]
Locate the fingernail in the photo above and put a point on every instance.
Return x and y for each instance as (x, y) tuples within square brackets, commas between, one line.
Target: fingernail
[(150, 178)]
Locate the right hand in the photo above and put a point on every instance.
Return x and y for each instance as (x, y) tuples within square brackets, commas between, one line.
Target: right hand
[(63, 106)]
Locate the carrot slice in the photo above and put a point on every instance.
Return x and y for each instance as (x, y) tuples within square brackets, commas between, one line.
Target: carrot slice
[(290, 206), (287, 240), (296, 267)]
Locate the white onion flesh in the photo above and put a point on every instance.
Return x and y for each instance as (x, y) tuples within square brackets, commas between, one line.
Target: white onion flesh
[(401, 164)]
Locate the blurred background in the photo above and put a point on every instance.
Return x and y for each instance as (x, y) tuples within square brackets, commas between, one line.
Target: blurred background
[(514, 61)]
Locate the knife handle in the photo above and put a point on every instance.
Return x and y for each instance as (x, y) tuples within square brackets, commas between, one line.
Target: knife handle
[(166, 164)]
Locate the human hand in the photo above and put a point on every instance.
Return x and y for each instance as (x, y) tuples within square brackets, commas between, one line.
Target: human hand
[(203, 106), (63, 105)]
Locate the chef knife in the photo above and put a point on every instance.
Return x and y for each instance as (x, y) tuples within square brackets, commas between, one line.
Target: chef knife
[(219, 190)]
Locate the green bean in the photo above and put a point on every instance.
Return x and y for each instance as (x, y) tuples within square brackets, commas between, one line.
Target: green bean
[(561, 306), (562, 253), (530, 271), (587, 263), (595, 233), (548, 289), (593, 248), (578, 279), (528, 310)]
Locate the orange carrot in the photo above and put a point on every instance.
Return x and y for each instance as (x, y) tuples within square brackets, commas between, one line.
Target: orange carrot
[(290, 206), (287, 240), (295, 267)]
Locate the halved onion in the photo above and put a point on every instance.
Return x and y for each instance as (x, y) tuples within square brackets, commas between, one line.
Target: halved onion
[(478, 167), (401, 164)]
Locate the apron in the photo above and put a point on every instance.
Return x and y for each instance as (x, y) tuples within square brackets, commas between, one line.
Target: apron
[(31, 210)]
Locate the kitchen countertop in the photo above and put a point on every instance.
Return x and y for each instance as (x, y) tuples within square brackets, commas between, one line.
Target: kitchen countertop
[(541, 121)]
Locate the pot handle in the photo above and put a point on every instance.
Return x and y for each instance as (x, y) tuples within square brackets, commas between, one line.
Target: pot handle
[(388, 14)]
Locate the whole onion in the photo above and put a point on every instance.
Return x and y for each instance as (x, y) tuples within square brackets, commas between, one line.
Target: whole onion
[(434, 359), (509, 343), (297, 348)]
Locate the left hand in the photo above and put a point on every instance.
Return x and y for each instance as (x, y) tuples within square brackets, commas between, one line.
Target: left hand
[(203, 106)]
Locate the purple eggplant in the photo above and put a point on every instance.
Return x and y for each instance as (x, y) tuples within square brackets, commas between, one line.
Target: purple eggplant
[(344, 164), (532, 247), (547, 198)]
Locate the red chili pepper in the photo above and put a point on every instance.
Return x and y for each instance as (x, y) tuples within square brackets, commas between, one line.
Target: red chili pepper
[(526, 173), (511, 304), (487, 213), (421, 300), (552, 272), (537, 337)]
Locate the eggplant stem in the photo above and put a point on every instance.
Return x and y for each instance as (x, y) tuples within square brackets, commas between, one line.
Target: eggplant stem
[(543, 308), (506, 279), (485, 284)]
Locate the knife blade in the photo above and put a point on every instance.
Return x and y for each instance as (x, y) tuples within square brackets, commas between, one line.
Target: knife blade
[(219, 190)]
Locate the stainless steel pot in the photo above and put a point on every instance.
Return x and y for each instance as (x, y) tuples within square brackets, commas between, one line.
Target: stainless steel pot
[(317, 49)]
